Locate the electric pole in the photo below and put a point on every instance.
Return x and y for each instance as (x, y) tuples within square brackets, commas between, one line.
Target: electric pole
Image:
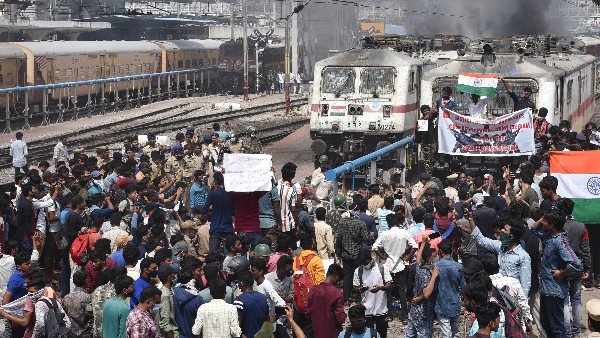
[(245, 9)]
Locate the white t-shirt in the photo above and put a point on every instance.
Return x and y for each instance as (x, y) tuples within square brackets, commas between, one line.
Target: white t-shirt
[(266, 288), (477, 110), (376, 303), (322, 186)]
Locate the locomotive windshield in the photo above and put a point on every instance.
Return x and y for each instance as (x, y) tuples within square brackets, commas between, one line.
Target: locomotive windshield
[(377, 80), (338, 80)]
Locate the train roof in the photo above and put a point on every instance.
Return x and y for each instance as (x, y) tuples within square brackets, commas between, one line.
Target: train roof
[(185, 45), (8, 51), (49, 48), (368, 58), (510, 65), (585, 40), (209, 43)]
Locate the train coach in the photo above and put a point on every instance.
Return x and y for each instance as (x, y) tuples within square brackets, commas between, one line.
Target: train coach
[(362, 100), (12, 69)]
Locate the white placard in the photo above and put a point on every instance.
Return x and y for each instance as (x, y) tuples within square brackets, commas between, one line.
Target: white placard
[(422, 125), (247, 172)]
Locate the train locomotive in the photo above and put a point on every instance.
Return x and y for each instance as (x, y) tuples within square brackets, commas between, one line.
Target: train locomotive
[(355, 109), (562, 82), (363, 100)]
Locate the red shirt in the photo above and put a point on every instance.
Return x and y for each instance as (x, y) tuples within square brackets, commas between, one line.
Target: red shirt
[(92, 274), (326, 310), (246, 211)]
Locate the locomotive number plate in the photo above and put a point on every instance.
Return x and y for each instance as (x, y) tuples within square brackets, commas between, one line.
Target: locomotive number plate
[(386, 127)]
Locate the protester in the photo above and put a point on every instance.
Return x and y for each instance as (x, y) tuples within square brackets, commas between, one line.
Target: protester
[(116, 310), (326, 305), (139, 322)]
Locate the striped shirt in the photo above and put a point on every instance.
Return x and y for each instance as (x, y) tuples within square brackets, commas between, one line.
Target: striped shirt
[(287, 195)]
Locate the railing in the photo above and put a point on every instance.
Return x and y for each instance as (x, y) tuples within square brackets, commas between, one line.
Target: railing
[(126, 90)]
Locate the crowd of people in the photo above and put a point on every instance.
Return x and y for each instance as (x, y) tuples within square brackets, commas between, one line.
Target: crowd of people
[(147, 242)]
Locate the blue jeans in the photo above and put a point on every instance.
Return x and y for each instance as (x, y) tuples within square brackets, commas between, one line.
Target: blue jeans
[(418, 331), (65, 273), (552, 316), (449, 326), (253, 236), (575, 300)]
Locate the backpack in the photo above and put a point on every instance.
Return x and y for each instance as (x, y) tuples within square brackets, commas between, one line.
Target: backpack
[(80, 249), (513, 316), (54, 322), (348, 332), (302, 284)]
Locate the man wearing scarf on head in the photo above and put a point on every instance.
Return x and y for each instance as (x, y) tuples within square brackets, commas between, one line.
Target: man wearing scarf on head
[(514, 261)]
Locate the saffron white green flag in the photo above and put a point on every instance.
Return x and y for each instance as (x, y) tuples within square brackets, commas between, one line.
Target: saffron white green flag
[(578, 174), (480, 84)]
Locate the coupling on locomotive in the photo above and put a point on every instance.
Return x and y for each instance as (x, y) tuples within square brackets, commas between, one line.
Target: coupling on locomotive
[(364, 99)]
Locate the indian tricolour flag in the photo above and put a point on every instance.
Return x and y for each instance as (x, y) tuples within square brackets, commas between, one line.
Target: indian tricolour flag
[(578, 174), (480, 84)]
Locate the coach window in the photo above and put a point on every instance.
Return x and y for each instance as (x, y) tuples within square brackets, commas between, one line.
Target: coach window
[(10, 79), (69, 74), (188, 64), (57, 76), (213, 61), (201, 62), (98, 72), (194, 63), (569, 91), (180, 64), (1, 79)]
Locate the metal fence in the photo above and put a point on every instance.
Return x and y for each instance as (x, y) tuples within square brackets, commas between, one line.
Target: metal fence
[(22, 105)]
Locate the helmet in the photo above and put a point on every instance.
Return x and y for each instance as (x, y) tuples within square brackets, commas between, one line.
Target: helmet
[(238, 264), (251, 129), (323, 159), (339, 200), (262, 250), (190, 127)]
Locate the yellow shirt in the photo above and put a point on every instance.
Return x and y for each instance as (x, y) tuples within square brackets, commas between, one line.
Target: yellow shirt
[(315, 266)]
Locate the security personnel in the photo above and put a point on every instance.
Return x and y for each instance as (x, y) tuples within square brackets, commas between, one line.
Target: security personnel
[(334, 216), (102, 156), (190, 162), (176, 164), (151, 145), (235, 144), (323, 160), (254, 146)]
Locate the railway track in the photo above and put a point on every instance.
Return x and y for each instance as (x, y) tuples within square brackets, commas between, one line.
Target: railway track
[(156, 121)]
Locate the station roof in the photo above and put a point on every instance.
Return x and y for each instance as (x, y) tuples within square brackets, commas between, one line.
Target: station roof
[(50, 48), (8, 51)]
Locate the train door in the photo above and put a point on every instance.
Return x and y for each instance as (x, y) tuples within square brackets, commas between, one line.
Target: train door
[(560, 97)]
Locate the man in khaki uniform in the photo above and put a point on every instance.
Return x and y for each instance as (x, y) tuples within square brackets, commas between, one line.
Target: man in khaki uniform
[(236, 145), (151, 145), (376, 201), (102, 156), (176, 164)]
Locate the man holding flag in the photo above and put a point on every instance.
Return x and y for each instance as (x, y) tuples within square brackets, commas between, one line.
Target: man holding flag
[(478, 85)]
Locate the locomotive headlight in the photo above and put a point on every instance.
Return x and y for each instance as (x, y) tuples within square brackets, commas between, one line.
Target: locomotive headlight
[(359, 111), (352, 110), (324, 109), (335, 127), (387, 109)]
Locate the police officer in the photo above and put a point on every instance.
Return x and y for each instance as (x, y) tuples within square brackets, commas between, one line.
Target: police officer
[(254, 146), (151, 145), (176, 164), (235, 144), (323, 160), (334, 216), (102, 156)]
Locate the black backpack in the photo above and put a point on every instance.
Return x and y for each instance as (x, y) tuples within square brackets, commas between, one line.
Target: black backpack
[(513, 316), (54, 322)]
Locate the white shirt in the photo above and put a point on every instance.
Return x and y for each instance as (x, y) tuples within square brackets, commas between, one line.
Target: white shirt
[(287, 195), (113, 234), (324, 239), (18, 151), (395, 241), (217, 319), (7, 267), (61, 153), (477, 110), (515, 290), (376, 303), (321, 185), (267, 289)]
